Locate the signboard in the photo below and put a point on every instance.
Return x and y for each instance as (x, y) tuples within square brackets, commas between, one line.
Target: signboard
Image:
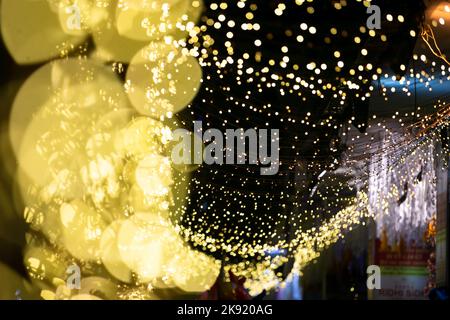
[(404, 273)]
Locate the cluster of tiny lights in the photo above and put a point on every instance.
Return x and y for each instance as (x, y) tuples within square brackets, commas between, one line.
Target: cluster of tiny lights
[(100, 186), (281, 74)]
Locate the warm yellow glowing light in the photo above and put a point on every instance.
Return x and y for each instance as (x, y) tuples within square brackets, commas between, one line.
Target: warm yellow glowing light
[(32, 31), (162, 80)]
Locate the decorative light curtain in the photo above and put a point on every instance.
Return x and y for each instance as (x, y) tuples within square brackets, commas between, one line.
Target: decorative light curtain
[(402, 189)]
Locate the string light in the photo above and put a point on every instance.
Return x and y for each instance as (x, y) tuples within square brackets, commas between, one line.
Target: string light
[(99, 183)]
